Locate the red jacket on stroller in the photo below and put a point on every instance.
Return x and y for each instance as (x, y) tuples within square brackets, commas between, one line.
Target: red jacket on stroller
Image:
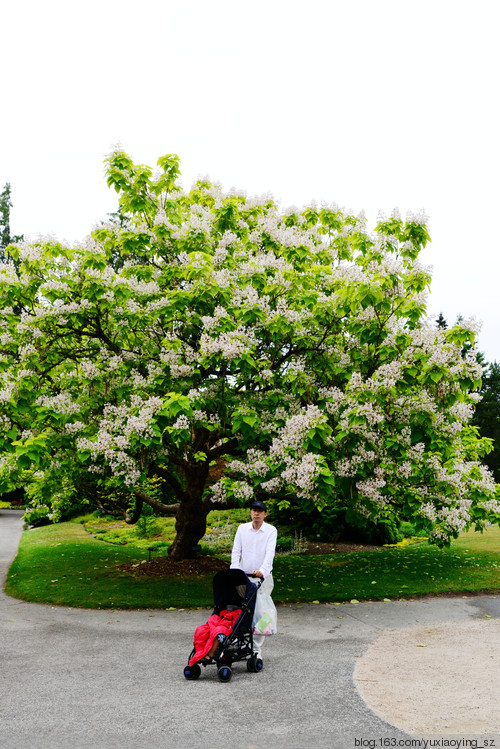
[(205, 634)]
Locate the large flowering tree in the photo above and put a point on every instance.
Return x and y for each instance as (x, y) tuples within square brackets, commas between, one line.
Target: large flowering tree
[(290, 350)]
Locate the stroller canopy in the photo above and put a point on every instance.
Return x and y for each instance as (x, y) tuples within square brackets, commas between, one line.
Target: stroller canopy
[(233, 588)]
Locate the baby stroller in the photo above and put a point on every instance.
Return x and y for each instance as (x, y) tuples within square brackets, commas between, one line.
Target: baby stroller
[(233, 592)]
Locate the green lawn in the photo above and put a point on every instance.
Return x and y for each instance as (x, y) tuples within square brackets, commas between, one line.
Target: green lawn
[(471, 564), (64, 565)]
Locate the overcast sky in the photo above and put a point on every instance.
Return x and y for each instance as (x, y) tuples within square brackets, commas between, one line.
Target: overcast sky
[(371, 104)]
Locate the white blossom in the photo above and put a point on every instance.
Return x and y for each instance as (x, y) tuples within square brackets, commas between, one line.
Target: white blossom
[(182, 422), (218, 492)]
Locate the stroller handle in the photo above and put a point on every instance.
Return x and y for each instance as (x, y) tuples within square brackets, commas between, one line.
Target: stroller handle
[(258, 581)]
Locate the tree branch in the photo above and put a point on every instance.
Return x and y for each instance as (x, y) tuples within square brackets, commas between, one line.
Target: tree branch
[(134, 517), (103, 337), (229, 504), (226, 447), (158, 506), (169, 477)]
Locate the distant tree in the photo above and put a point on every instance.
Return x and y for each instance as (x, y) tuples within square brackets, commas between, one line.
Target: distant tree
[(441, 322), (487, 416), (14, 493), (5, 236), (487, 412)]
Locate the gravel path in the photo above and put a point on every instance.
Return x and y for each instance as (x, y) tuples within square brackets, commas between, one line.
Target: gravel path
[(335, 677)]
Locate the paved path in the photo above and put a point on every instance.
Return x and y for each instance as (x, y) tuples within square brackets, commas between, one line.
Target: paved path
[(74, 678)]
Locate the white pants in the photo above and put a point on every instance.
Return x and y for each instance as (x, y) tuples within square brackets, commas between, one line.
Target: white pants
[(266, 587)]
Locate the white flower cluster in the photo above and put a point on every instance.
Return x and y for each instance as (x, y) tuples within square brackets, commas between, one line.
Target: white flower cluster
[(416, 451), (199, 222), (89, 370), (359, 458), (112, 448), (404, 470), (491, 505), (428, 510), (136, 285), (461, 411), (228, 238), (218, 492), (7, 391), (266, 262), (303, 474), (29, 252), (231, 344), (370, 488), (59, 310), (389, 265), (6, 338), (177, 367), (54, 285), (107, 276), (350, 274), (371, 413), (257, 461), (335, 399), (224, 278), (181, 423), (181, 370), (472, 324), (219, 256), (237, 466), (60, 404), (242, 490), (26, 351), (438, 536), (139, 421), (297, 318), (74, 427), (249, 297), (421, 218), (294, 433), (255, 464), (273, 485), (388, 375), (113, 363), (286, 236), (345, 468), (8, 273), (210, 322), (455, 519), (485, 482), (113, 438)]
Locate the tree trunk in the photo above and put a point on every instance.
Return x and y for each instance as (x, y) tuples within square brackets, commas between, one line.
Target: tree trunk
[(191, 515), (190, 526)]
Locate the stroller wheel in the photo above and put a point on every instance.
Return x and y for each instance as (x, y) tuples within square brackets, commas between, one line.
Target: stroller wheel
[(192, 672), (224, 673), (226, 659), (254, 664)]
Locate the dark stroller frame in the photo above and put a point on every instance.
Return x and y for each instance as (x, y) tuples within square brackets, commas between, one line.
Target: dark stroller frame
[(238, 645)]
